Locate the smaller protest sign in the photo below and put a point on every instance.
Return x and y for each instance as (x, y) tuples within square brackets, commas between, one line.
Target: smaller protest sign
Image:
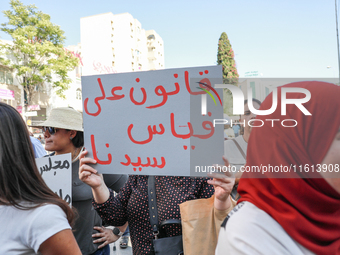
[(57, 174)]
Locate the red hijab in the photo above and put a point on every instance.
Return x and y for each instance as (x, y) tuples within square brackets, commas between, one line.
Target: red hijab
[(307, 208)]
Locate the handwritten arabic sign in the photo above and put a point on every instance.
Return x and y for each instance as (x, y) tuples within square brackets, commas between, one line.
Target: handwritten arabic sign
[(57, 174), (150, 123)]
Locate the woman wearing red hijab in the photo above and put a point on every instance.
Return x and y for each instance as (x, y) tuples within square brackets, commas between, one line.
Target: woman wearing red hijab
[(300, 213)]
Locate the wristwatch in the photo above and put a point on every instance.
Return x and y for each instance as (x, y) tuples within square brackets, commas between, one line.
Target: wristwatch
[(117, 232)]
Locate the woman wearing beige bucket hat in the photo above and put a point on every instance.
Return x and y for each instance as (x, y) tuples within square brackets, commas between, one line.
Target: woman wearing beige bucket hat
[(63, 132)]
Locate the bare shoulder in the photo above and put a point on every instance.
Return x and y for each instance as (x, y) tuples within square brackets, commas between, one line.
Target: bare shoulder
[(62, 242)]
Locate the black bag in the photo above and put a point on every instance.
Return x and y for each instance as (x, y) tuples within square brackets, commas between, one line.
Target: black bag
[(168, 245), (162, 245)]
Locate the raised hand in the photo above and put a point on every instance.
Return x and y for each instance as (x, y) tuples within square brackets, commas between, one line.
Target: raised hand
[(223, 184), (91, 177), (87, 173)]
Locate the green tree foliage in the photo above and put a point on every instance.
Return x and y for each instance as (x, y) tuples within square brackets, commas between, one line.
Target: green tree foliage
[(225, 57), (37, 54)]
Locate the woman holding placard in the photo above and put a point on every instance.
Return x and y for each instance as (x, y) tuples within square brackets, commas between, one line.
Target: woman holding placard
[(132, 204), (32, 218), (63, 133)]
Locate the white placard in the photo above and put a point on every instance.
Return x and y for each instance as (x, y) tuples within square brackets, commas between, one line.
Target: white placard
[(57, 174), (150, 123)]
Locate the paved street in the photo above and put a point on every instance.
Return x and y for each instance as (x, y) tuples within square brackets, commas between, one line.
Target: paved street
[(116, 250)]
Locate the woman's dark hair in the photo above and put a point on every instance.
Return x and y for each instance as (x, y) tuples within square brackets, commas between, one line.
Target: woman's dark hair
[(78, 140), (20, 179)]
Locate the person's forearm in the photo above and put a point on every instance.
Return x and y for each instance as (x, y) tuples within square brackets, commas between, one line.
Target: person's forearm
[(222, 205), (101, 194), (123, 228)]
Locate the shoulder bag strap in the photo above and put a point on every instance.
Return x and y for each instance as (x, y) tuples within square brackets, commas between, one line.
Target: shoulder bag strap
[(239, 148), (153, 205)]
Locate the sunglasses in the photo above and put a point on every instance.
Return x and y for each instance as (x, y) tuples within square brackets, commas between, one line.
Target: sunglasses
[(51, 130)]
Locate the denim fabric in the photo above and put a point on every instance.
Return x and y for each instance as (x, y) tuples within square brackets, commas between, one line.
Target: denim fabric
[(103, 251), (127, 232)]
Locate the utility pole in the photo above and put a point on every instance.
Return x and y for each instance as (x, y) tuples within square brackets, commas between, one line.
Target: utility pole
[(337, 36)]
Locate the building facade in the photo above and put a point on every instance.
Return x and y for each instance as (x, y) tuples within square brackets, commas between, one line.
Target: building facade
[(117, 43), (109, 44)]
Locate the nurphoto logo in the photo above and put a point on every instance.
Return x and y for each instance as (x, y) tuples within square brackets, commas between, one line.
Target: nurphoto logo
[(238, 103)]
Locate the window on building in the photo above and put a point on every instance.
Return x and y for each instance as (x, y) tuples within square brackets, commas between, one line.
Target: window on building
[(252, 85), (2, 76), (151, 37), (6, 76), (9, 78), (8, 101), (78, 94), (267, 91)]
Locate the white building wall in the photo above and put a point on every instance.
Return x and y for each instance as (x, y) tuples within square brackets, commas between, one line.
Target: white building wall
[(124, 42), (142, 45), (155, 50), (72, 95), (115, 43), (96, 46)]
